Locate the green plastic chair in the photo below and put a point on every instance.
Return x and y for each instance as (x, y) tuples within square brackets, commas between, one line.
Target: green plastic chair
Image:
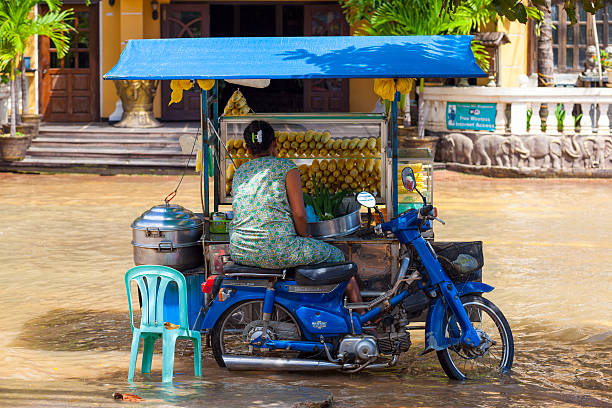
[(152, 281)]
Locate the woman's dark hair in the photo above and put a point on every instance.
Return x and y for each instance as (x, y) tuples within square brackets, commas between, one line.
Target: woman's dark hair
[(258, 142)]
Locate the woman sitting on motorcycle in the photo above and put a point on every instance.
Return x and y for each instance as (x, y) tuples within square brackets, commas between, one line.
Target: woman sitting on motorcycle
[(269, 226)]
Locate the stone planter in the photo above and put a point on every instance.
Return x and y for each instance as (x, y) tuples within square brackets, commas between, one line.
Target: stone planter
[(31, 119), (13, 148), (137, 100), (26, 128), (408, 139)]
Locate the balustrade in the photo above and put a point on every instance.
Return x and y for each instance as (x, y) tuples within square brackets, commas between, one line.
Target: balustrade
[(591, 102)]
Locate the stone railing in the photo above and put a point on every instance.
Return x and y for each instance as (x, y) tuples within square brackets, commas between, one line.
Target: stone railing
[(580, 141)]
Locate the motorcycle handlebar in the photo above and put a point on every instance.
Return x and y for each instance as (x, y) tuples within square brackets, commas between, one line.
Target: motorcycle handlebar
[(425, 210)]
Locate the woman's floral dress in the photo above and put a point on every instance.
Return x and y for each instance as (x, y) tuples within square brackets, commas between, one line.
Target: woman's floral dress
[(263, 233)]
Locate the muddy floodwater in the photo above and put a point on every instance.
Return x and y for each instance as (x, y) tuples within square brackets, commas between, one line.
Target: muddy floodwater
[(65, 246)]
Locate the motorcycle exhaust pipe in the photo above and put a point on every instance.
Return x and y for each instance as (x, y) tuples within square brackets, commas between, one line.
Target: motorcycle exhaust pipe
[(282, 364)]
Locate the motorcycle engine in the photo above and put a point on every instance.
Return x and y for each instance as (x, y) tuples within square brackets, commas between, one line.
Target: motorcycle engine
[(358, 348)]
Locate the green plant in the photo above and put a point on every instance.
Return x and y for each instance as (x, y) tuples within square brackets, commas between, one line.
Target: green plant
[(326, 205), (421, 17), (577, 120), (18, 24), (603, 59), (560, 115), (17, 134), (529, 115)]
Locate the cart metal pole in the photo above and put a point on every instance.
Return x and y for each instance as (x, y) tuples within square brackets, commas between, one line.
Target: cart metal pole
[(217, 149), (205, 152), (394, 154)]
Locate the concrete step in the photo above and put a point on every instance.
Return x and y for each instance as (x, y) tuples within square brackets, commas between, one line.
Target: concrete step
[(99, 148), (90, 161), (113, 135), (88, 151), (43, 139)]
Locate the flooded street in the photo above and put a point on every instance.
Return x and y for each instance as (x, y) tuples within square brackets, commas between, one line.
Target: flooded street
[(65, 247)]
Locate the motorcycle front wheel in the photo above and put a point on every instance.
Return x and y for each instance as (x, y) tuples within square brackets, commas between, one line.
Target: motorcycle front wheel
[(243, 322), (495, 354)]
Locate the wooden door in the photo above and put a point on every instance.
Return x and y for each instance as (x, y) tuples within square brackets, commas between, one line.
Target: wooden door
[(325, 95), (183, 21), (69, 86)]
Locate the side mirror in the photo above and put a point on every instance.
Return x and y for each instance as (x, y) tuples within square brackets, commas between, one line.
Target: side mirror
[(408, 178), (366, 199)]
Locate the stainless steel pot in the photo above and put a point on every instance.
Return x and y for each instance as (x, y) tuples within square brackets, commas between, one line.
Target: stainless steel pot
[(337, 227), (167, 223), (168, 235), (179, 256)]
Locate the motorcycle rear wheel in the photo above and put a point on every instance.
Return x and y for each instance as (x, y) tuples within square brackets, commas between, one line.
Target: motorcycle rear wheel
[(461, 363), (229, 336)]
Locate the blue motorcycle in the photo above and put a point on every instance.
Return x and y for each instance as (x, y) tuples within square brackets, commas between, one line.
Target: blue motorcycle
[(296, 319)]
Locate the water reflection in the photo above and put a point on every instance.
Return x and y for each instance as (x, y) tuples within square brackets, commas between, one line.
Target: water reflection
[(65, 246)]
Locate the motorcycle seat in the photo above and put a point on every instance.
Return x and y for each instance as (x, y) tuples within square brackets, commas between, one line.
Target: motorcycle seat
[(234, 269), (324, 273)]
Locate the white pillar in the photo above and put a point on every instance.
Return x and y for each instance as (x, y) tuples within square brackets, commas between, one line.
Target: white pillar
[(603, 124), (518, 118), (568, 120), (586, 124), (551, 120), (426, 114), (535, 124), (440, 116), (500, 118)]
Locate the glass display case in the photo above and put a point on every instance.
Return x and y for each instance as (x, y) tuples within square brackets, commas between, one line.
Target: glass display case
[(338, 151), (421, 162)]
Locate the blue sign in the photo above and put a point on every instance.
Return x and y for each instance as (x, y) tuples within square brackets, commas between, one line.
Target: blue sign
[(472, 116)]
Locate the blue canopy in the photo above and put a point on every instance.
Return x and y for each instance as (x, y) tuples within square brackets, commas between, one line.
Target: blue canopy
[(297, 57)]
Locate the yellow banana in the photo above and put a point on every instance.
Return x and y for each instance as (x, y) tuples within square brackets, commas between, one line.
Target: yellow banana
[(178, 86), (206, 84), (403, 85)]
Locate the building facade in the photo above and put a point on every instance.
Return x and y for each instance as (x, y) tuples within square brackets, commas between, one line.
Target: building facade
[(72, 89)]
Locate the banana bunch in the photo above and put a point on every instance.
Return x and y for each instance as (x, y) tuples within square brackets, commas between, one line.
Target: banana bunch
[(342, 174), (237, 148), (386, 87), (178, 86), (312, 144), (237, 105)]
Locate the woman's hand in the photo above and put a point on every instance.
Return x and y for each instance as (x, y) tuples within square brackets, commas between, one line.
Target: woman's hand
[(296, 201)]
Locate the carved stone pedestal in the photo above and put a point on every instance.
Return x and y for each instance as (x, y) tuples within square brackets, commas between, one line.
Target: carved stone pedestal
[(137, 99)]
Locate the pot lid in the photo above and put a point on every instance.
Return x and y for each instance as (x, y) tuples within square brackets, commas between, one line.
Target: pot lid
[(167, 218)]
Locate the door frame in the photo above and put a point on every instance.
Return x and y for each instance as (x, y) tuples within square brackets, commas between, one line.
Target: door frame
[(95, 70)]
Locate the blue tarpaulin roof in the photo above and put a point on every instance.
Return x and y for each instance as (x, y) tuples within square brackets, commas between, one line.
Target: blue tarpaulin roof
[(297, 57)]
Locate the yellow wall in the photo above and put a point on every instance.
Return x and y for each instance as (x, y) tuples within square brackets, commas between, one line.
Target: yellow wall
[(361, 95), (122, 22), (514, 56), (125, 20), (132, 19), (31, 52)]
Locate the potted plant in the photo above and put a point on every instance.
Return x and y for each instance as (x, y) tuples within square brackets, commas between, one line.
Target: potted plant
[(13, 148), (18, 25), (606, 64)]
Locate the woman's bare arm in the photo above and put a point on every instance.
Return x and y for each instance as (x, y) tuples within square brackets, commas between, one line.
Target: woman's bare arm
[(296, 201)]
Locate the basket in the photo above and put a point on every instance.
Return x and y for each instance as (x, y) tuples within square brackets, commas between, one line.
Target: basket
[(462, 261)]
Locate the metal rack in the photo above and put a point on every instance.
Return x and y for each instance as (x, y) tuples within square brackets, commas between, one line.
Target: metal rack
[(340, 125)]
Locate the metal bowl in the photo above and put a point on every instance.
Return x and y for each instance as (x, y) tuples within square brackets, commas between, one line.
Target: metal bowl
[(338, 227)]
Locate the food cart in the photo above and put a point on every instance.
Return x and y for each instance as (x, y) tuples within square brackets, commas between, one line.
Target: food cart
[(368, 142)]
